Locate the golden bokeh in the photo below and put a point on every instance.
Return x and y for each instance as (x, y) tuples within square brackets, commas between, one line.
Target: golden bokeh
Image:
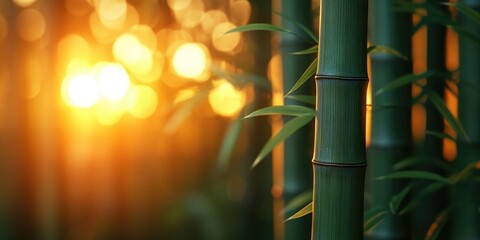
[(225, 42), (177, 5), (225, 99), (191, 60), (70, 47), (134, 55), (113, 80), (240, 12), (31, 24), (112, 13), (81, 90), (24, 3), (211, 18), (142, 101), (3, 28)]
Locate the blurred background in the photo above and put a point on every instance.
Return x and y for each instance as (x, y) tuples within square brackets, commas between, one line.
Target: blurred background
[(113, 114)]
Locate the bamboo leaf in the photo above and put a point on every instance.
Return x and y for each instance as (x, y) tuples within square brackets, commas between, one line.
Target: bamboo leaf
[(304, 211), (305, 76), (258, 27), (300, 25), (439, 104), (396, 200), (298, 201), (441, 135), (384, 49), (376, 219), (465, 32), (469, 12), (418, 197), (437, 225), (287, 130), (290, 110), (416, 175), (465, 172), (303, 98), (403, 80), (405, 163), (184, 110), (228, 144), (310, 50)]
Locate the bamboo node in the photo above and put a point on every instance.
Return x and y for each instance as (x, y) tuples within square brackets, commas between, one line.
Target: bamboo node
[(340, 165), (342, 78)]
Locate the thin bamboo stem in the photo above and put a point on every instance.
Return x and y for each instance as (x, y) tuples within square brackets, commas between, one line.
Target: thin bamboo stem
[(297, 148)]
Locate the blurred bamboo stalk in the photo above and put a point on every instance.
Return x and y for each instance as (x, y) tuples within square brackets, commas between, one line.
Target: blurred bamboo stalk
[(391, 139), (430, 150), (298, 147), (466, 196)]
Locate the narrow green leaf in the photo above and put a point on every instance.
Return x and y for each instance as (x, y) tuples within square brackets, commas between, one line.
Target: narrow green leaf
[(184, 110), (439, 104), (441, 135), (303, 98), (405, 163), (374, 220), (304, 211), (465, 32), (416, 175), (258, 27), (287, 130), (300, 25), (228, 144), (305, 76), (403, 80), (310, 50), (384, 49), (373, 211), (298, 201), (290, 110), (437, 225), (464, 173), (468, 11), (397, 199), (416, 199)]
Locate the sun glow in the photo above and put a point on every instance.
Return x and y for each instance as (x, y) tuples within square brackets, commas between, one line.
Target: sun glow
[(113, 81), (81, 90)]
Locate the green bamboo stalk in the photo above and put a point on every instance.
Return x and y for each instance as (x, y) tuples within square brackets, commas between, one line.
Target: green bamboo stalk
[(297, 148), (430, 150), (339, 160), (259, 182), (391, 112), (466, 196)]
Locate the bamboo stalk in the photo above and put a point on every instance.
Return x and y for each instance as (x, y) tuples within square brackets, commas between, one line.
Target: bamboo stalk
[(339, 154), (391, 116), (466, 196), (297, 149), (430, 150), (259, 201)]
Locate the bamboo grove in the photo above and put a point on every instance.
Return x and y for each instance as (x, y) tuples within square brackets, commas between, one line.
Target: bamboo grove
[(411, 191)]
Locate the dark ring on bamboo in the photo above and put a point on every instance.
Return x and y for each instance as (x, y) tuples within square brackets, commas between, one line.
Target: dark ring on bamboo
[(340, 165), (329, 77)]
